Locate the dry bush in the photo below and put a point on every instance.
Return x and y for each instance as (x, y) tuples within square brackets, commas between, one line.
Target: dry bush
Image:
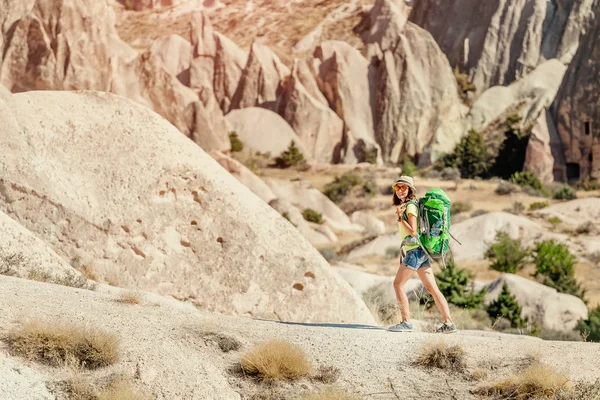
[(10, 264), (70, 279), (131, 297), (479, 374), (121, 389), (327, 374), (581, 391), (276, 360), (385, 311), (535, 381), (59, 343), (88, 272), (79, 388), (330, 393), (439, 355)]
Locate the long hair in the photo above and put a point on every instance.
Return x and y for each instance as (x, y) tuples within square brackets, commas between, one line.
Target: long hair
[(410, 196)]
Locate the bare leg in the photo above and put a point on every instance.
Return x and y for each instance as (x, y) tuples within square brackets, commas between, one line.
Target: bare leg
[(426, 276), (402, 276)]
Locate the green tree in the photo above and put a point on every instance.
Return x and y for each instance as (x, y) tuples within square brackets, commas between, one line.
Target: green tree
[(311, 215), (341, 187), (591, 326), (506, 306), (554, 267), (290, 157), (453, 282), (470, 156), (506, 254), (236, 143)]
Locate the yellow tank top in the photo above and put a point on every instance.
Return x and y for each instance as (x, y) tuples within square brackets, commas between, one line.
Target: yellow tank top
[(404, 233)]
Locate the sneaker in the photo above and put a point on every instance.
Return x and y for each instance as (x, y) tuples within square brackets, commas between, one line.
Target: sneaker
[(401, 327), (447, 328)]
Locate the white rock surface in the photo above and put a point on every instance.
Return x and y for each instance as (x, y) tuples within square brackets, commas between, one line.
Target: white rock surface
[(372, 225), (263, 130), (20, 382), (552, 310), (104, 179)]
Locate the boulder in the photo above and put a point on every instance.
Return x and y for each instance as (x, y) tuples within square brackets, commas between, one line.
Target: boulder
[(478, 233), (344, 79), (263, 130), (542, 304), (371, 225), (575, 108), (573, 213), (103, 178), (319, 128), (260, 79), (538, 157), (22, 252), (526, 97), (497, 43), (377, 246), (317, 235), (417, 110), (304, 196)]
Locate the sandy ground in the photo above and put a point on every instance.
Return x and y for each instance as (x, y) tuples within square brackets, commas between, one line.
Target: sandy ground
[(168, 344)]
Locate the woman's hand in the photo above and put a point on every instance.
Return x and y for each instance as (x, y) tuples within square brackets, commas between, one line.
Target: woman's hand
[(400, 210)]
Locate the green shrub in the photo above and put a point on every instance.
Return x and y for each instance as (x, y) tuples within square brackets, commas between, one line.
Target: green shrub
[(507, 307), (453, 282), (312, 216), (506, 254), (290, 157), (529, 179), (371, 156), (236, 143), (554, 220), (588, 184), (591, 326), (408, 167), (516, 208), (554, 267), (470, 156), (565, 193), (341, 187), (538, 205), (464, 84)]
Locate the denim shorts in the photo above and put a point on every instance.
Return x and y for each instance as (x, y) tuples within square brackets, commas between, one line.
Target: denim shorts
[(415, 259)]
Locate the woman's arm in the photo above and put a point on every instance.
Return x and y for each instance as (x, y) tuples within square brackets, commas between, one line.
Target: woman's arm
[(411, 225)]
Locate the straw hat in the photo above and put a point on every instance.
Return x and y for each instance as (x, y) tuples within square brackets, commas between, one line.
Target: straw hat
[(408, 181)]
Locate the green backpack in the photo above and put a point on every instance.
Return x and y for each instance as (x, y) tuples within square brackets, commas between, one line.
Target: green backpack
[(433, 224)]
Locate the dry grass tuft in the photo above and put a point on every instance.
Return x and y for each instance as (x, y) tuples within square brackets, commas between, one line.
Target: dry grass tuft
[(131, 297), (276, 360), (70, 279), (535, 381), (79, 388), (121, 389), (327, 374), (60, 343), (330, 393), (439, 355)]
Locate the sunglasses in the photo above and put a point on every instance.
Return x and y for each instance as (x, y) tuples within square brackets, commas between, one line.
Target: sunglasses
[(402, 188)]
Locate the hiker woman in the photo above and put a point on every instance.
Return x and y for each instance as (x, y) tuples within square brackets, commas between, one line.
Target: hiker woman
[(415, 258)]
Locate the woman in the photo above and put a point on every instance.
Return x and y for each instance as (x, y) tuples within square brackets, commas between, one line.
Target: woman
[(415, 259)]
